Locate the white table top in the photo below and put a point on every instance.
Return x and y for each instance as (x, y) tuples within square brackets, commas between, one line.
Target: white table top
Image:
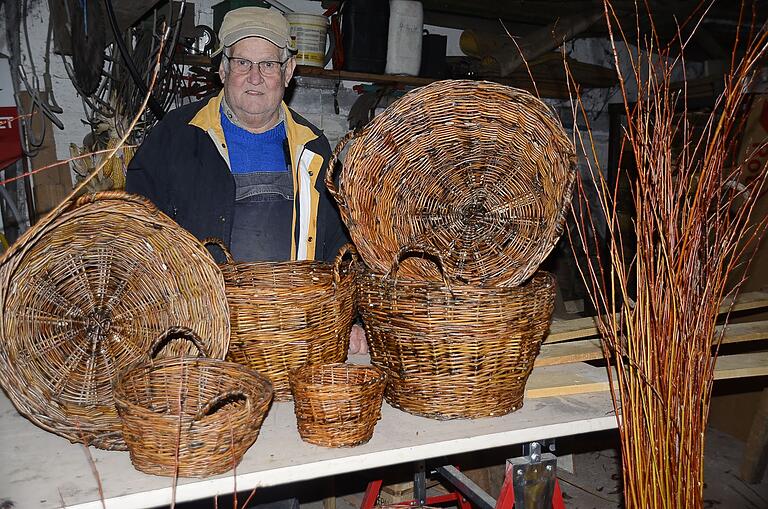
[(41, 470)]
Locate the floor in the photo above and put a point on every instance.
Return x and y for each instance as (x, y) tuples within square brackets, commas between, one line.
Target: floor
[(594, 484)]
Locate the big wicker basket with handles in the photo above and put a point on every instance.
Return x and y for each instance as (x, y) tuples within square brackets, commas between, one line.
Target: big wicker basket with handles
[(286, 314), (190, 416), (85, 293), (480, 172), (450, 350)]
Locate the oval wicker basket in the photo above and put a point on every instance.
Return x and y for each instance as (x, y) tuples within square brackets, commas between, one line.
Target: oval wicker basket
[(286, 314), (480, 172), (85, 295), (337, 405), (454, 351), (190, 416)]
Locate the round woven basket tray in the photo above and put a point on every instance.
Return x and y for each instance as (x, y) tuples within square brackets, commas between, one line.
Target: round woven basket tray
[(86, 295), (190, 416), (454, 351), (480, 172), (287, 314), (337, 405)]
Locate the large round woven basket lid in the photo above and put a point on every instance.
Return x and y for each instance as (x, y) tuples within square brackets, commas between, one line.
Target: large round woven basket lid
[(87, 295), (481, 172)]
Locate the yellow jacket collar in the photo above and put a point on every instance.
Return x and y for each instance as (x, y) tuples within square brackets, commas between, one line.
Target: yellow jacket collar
[(209, 120)]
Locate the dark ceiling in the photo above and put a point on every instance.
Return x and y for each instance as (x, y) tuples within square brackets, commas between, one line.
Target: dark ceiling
[(713, 40)]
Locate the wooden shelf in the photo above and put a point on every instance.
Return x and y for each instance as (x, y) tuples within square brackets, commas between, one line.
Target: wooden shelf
[(547, 72), (389, 79)]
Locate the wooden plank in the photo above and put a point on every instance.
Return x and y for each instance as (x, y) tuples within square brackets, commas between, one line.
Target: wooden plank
[(741, 365), (566, 353), (566, 380), (589, 349), (578, 328), (54, 184)]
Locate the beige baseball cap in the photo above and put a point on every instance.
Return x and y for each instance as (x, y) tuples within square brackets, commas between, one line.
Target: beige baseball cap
[(245, 22)]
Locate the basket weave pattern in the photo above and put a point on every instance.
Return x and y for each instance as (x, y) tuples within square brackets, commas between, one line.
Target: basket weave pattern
[(480, 172), (86, 296), (458, 351), (286, 314), (198, 413), (337, 405)]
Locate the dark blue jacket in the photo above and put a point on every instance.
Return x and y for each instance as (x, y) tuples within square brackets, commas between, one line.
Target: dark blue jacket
[(183, 168)]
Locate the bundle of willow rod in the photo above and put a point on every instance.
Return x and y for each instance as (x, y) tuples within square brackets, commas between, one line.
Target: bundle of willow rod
[(657, 311)]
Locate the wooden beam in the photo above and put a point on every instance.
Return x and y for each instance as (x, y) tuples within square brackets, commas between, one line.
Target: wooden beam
[(582, 378), (589, 349), (566, 330)]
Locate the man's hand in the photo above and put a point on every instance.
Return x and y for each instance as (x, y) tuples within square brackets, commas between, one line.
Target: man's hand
[(357, 342)]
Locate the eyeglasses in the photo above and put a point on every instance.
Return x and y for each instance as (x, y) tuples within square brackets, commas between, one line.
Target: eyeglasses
[(266, 67)]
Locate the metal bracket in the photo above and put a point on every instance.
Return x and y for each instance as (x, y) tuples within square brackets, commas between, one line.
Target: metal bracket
[(467, 487), (420, 483), (533, 477)]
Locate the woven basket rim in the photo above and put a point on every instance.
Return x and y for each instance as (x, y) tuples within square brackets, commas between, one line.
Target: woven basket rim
[(88, 422), (145, 368), (382, 139), (299, 375)]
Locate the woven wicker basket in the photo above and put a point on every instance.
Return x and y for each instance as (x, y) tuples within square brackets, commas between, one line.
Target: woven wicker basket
[(286, 314), (85, 295), (190, 416), (454, 351), (480, 172), (337, 405)]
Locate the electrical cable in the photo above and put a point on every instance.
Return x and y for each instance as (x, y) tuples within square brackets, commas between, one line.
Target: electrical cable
[(51, 99), (157, 110)]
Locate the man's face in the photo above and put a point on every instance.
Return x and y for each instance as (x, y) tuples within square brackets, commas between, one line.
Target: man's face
[(253, 97)]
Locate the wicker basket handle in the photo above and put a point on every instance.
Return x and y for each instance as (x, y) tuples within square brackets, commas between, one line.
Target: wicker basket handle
[(412, 249), (217, 400), (177, 331), (329, 183), (347, 248), (111, 195), (220, 244)]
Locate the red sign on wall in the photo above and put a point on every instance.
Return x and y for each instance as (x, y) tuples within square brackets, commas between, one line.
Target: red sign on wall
[(10, 137)]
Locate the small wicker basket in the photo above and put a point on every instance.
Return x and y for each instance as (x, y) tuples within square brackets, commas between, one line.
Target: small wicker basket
[(190, 416), (337, 405), (480, 172), (84, 294), (454, 351), (286, 314)]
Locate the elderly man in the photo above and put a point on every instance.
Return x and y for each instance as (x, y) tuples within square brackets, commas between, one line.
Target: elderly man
[(242, 166)]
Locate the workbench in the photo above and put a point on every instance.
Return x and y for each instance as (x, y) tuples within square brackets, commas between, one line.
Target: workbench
[(564, 396)]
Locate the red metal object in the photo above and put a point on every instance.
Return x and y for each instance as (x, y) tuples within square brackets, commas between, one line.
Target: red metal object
[(506, 498), (557, 497), (10, 136), (374, 487), (371, 494)]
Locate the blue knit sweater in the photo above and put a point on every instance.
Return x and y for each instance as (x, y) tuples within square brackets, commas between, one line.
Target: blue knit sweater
[(249, 152)]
